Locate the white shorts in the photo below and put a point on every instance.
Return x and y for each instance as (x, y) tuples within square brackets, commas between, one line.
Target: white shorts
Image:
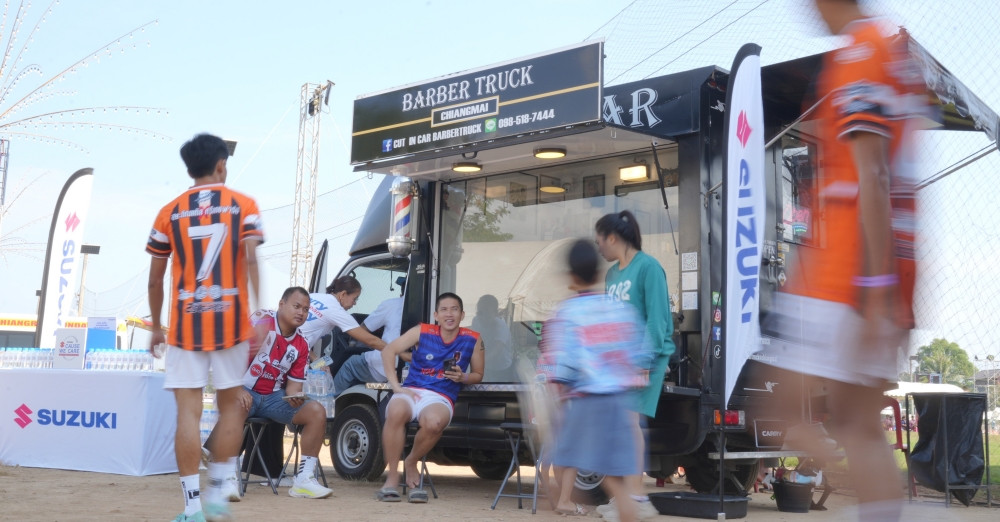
[(822, 338), (427, 397), (189, 369)]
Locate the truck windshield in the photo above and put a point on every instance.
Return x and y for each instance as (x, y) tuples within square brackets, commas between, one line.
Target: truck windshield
[(503, 242)]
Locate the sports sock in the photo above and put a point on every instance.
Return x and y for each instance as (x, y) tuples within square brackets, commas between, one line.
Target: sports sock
[(190, 485), (218, 472), (307, 467)]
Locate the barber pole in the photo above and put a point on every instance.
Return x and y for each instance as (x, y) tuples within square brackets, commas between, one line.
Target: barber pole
[(404, 204)]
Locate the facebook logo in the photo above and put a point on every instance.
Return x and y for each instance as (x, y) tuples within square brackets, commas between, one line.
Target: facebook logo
[(387, 145)]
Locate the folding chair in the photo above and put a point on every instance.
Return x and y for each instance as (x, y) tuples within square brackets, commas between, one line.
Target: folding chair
[(899, 445), (254, 426), (424, 474), (297, 430), (516, 433)]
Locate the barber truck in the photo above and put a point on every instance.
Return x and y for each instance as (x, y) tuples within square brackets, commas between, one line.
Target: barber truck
[(489, 173)]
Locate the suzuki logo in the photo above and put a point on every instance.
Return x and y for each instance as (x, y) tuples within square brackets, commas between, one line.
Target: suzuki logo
[(72, 221), (22, 418), (743, 129)]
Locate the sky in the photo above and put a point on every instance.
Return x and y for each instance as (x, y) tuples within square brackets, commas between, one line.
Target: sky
[(234, 69)]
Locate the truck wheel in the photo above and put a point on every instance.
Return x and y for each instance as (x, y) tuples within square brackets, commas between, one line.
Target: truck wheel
[(703, 475), (587, 488), (356, 443), (490, 469)]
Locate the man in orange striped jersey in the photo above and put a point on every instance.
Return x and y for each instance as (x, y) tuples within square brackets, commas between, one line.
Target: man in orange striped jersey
[(211, 234), (846, 313)]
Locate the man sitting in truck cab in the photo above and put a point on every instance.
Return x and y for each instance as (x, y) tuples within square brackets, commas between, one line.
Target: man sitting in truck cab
[(445, 357)]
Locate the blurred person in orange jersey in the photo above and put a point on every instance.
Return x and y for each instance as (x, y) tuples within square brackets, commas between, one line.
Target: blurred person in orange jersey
[(845, 315)]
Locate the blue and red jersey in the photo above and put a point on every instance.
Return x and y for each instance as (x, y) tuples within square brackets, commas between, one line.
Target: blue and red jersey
[(427, 367)]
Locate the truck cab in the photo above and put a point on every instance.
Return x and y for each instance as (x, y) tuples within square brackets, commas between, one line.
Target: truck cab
[(481, 194)]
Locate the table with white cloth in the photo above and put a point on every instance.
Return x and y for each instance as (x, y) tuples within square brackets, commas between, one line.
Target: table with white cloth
[(88, 420)]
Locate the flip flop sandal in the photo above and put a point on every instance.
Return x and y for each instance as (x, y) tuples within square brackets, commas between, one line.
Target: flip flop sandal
[(417, 496), (388, 495)]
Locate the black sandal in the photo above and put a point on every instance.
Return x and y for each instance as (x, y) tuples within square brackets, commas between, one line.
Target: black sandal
[(388, 495), (417, 496)]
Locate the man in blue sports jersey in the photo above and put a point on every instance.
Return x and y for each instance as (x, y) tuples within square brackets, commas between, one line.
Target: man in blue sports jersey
[(445, 357)]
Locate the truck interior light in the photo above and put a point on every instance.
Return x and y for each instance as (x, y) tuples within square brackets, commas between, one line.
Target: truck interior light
[(550, 153), (633, 173), (466, 166)]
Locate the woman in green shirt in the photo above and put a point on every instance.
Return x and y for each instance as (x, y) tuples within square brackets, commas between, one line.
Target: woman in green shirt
[(638, 278)]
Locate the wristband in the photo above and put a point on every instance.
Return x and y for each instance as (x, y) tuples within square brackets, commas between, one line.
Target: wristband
[(876, 281)]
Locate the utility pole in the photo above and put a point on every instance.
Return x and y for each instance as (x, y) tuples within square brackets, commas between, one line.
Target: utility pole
[(314, 96), (4, 152)]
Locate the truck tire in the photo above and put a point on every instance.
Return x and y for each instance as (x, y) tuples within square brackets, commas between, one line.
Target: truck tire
[(587, 488), (490, 469), (703, 475), (356, 443)]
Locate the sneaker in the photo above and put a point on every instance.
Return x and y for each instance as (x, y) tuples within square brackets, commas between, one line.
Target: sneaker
[(644, 511), (231, 489), (647, 510), (206, 456), (216, 512), (606, 508), (308, 488), (197, 517)]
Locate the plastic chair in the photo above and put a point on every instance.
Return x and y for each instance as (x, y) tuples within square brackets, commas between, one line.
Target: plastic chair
[(254, 427), (899, 445)]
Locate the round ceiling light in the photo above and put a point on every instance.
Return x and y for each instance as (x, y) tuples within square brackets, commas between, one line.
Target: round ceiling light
[(550, 153), (466, 166)]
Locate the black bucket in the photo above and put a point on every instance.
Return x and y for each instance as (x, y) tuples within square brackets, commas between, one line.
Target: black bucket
[(792, 497)]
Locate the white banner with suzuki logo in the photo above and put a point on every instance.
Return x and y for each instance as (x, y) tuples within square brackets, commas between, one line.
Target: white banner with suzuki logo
[(106, 421), (63, 256), (744, 201)]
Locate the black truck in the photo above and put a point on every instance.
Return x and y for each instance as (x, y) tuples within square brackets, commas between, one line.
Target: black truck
[(471, 203)]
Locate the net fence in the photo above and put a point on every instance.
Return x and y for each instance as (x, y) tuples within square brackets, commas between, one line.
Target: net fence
[(959, 244)]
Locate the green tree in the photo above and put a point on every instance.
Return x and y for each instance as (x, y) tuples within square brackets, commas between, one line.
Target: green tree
[(948, 359), (482, 220)]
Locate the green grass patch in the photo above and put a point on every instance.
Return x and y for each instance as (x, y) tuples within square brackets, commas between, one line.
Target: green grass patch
[(993, 466)]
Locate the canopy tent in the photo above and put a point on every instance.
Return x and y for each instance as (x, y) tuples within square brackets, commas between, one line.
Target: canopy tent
[(922, 387)]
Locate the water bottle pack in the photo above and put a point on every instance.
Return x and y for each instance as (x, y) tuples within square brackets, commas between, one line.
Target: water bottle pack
[(319, 387), (26, 358), (209, 416), (121, 360)]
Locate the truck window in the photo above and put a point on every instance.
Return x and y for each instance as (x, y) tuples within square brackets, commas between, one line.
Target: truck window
[(503, 241), (798, 174), (378, 283)]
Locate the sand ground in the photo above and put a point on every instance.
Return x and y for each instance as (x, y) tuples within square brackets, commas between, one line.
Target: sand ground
[(60, 495)]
